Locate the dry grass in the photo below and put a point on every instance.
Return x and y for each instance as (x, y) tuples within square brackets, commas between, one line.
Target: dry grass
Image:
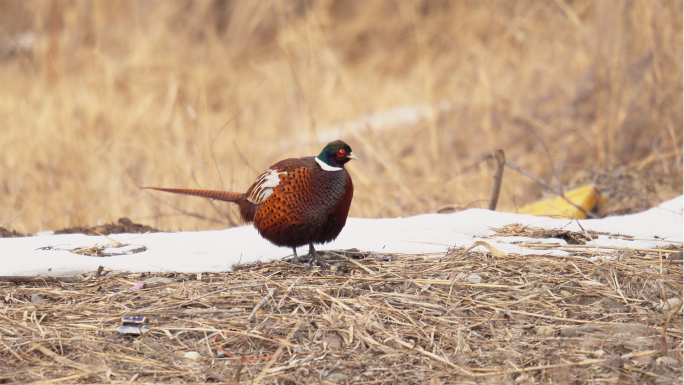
[(380, 319), (118, 94)]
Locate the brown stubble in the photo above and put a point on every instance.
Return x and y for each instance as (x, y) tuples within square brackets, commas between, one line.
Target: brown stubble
[(117, 95)]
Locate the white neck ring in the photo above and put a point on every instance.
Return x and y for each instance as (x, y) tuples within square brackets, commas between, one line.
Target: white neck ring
[(326, 166)]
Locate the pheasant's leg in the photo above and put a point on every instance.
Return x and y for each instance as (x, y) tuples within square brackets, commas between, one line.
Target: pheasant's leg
[(296, 258), (314, 257), (312, 254)]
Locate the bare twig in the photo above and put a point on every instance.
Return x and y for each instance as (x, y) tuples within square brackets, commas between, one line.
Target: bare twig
[(261, 303), (244, 158), (194, 215), (211, 147), (548, 187), (10, 220), (369, 271), (498, 176), (663, 336), (241, 361), (589, 236), (472, 166), (214, 204)]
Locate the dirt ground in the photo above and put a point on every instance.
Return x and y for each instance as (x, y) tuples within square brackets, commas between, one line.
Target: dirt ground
[(462, 318), (123, 225)]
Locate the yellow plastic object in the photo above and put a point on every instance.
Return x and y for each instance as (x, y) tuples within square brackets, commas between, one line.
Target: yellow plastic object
[(586, 197)]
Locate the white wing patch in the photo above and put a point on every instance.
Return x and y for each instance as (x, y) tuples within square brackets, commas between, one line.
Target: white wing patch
[(326, 166), (262, 187)]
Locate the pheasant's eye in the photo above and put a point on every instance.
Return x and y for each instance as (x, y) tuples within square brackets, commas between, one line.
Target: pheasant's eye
[(341, 152)]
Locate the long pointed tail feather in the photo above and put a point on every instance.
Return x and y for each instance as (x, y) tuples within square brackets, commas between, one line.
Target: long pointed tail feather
[(212, 194)]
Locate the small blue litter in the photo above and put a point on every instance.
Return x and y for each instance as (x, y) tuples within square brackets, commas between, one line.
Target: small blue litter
[(133, 325)]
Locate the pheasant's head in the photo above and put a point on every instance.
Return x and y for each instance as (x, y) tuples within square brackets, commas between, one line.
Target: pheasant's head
[(336, 154)]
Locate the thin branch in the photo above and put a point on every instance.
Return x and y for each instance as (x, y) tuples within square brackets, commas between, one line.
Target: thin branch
[(472, 166), (261, 303), (500, 158), (187, 212), (548, 155), (244, 159), (211, 147), (213, 204), (10, 220), (548, 187), (663, 337)]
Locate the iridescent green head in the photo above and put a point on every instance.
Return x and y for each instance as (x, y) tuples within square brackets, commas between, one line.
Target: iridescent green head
[(335, 155)]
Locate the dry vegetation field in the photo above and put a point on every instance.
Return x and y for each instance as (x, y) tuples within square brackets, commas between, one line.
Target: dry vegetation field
[(375, 319), (99, 98)]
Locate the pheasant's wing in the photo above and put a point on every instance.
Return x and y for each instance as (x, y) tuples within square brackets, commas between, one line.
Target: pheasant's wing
[(263, 186), (290, 203)]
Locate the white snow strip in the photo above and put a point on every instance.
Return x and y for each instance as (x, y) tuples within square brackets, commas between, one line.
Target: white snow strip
[(429, 234)]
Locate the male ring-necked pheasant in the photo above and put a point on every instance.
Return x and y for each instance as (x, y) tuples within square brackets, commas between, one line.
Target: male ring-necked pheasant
[(296, 201)]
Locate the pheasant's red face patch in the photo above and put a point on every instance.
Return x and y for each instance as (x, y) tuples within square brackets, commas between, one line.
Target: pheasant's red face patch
[(341, 152)]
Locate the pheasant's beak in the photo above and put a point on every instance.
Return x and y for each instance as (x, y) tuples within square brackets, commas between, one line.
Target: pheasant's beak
[(352, 156)]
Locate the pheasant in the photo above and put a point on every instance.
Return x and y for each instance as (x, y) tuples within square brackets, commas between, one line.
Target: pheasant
[(295, 201)]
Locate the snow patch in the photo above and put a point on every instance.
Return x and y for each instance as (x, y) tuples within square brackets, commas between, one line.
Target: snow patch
[(429, 234)]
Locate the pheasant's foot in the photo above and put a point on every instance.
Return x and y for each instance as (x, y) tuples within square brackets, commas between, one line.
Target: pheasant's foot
[(297, 259), (315, 259), (321, 262)]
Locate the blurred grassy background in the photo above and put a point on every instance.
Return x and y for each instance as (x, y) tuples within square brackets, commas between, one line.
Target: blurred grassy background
[(100, 97)]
